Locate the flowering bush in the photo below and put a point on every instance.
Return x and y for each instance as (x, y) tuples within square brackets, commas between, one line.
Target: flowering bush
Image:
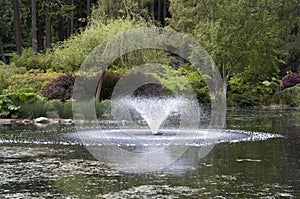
[(290, 80)]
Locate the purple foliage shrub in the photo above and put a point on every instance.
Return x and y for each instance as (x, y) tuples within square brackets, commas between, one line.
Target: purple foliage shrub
[(290, 80), (60, 88)]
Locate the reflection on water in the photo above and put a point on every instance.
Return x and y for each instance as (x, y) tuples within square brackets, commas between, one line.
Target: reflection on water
[(266, 168)]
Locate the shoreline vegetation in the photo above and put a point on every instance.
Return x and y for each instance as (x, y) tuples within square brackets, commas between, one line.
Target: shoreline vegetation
[(255, 46), (45, 121)]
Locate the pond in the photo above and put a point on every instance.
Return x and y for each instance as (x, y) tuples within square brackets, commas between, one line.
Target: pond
[(35, 162)]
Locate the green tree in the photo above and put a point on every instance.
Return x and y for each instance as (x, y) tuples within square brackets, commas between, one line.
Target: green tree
[(243, 37)]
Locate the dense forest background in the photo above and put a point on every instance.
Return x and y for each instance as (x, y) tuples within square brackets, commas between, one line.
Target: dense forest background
[(255, 44), (39, 24)]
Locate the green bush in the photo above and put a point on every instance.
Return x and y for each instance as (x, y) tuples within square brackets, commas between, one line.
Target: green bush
[(69, 55), (33, 110), (13, 105), (86, 108), (29, 60), (56, 105), (242, 93), (6, 71), (290, 96), (34, 79), (103, 109), (243, 100), (198, 84), (63, 109), (67, 113), (7, 107), (177, 81)]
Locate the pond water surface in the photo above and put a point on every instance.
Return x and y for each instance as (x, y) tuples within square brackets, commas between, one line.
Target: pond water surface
[(33, 167)]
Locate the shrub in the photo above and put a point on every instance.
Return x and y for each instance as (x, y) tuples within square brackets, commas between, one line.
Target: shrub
[(7, 107), (198, 84), (173, 82), (103, 108), (244, 100), (67, 112), (290, 80), (86, 108), (12, 104), (33, 110), (7, 71), (69, 55), (63, 109), (34, 79), (290, 96), (29, 60), (241, 93), (56, 105), (60, 88)]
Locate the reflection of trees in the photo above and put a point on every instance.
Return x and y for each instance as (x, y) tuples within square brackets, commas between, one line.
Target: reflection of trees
[(290, 127)]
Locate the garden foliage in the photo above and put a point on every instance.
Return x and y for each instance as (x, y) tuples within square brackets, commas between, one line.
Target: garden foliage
[(14, 104), (6, 71), (34, 79), (247, 42), (63, 109), (290, 96), (60, 88), (30, 60), (290, 80)]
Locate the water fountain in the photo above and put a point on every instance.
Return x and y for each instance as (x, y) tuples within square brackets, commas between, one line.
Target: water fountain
[(173, 126), (155, 112)]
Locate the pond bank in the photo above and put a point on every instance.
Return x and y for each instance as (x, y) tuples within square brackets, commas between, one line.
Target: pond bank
[(38, 121), (45, 120), (271, 107)]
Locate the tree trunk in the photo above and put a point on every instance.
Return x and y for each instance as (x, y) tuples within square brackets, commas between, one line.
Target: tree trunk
[(88, 9), (2, 52), (212, 14), (33, 26), (152, 11), (98, 92), (164, 13), (159, 10), (68, 28), (72, 19), (48, 26), (111, 4), (60, 29), (17, 27)]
